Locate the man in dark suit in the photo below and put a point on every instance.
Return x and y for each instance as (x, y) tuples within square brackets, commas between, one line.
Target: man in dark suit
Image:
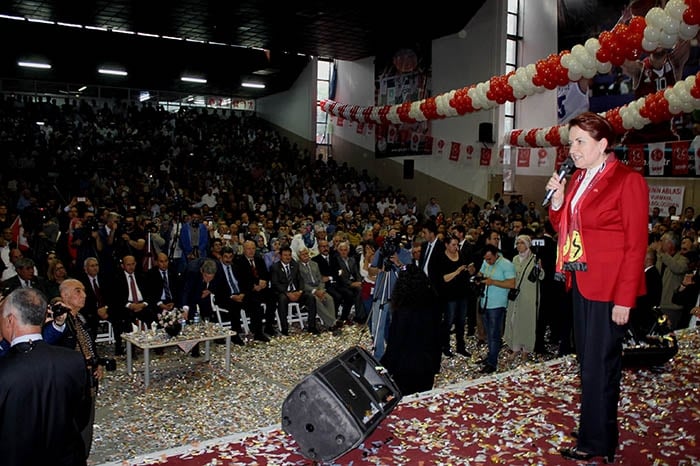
[(642, 317), (42, 416), (96, 293), (161, 285), (327, 265), (128, 301), (25, 277), (287, 284), (349, 284), (198, 290), (230, 292), (431, 251), (255, 279)]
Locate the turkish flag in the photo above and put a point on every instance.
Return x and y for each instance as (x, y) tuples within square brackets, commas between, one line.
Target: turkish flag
[(18, 234)]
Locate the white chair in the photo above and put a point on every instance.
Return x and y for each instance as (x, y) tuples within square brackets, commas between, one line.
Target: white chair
[(218, 311), (107, 333), (295, 314), (245, 322)]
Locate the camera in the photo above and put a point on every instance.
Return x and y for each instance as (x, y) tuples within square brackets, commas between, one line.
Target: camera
[(58, 309), (477, 281), (390, 246), (91, 224)]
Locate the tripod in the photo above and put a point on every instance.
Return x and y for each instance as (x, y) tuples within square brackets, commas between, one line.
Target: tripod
[(377, 317)]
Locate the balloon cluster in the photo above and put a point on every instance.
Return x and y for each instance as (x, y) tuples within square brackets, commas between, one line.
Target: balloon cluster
[(661, 27), (660, 106)]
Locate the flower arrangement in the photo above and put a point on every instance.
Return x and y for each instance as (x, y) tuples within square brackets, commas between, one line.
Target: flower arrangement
[(170, 318)]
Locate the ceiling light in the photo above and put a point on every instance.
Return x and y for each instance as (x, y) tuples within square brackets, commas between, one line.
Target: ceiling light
[(82, 89), (34, 64), (112, 72), (193, 79), (253, 85)]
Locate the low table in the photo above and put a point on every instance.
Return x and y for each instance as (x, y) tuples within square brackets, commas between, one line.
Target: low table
[(186, 340)]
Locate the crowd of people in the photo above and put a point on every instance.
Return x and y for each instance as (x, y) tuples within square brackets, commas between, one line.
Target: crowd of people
[(132, 211)]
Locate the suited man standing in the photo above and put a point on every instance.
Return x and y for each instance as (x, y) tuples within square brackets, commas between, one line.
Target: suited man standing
[(431, 251), (96, 292), (42, 416), (287, 284), (128, 300), (255, 279), (197, 292), (311, 278)]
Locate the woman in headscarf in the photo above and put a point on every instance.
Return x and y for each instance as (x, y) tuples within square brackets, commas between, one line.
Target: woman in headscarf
[(521, 317)]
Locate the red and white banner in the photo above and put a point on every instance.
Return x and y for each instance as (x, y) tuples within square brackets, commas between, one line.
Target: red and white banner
[(469, 150), (415, 141), (392, 133), (542, 157), (360, 128), (440, 146), (656, 158)]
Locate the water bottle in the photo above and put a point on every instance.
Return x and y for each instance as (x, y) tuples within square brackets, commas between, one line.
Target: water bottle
[(195, 319)]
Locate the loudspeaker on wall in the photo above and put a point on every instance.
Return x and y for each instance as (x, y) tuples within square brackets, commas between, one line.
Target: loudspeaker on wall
[(408, 169), (336, 407), (486, 132)]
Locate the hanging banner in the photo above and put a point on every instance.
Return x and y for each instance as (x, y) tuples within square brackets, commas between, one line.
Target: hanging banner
[(636, 157), (469, 150), (485, 159), (679, 158), (440, 146), (454, 151), (523, 157)]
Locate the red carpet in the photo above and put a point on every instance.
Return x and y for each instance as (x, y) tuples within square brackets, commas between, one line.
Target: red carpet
[(514, 418)]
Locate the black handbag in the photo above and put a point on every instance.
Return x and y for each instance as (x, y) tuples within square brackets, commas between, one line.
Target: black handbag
[(514, 292)]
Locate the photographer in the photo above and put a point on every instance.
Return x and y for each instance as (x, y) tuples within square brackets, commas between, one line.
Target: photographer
[(85, 240), (130, 239), (386, 263), (68, 328)]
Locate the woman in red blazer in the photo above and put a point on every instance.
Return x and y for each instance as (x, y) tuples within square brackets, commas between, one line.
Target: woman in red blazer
[(602, 224)]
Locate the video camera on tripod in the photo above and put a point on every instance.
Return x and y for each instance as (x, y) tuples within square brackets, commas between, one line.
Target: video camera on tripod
[(390, 246)]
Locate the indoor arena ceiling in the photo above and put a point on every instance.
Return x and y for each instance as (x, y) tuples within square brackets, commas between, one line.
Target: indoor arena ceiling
[(228, 42)]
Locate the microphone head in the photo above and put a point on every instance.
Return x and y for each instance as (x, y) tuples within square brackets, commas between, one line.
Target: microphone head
[(567, 166)]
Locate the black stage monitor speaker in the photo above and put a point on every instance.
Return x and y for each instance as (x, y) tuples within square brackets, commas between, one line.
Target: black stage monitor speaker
[(408, 169), (486, 132), (337, 406)]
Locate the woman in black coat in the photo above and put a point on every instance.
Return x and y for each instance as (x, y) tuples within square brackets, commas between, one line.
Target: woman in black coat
[(413, 354)]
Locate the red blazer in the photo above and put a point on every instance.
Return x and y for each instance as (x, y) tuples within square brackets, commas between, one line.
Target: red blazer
[(614, 217)]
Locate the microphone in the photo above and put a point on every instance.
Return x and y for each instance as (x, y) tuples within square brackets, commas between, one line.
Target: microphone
[(564, 170)]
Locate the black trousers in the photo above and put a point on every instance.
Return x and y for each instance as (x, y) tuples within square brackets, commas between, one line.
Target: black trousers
[(598, 342)]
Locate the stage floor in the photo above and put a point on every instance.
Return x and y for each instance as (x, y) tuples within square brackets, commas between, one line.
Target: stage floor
[(195, 413)]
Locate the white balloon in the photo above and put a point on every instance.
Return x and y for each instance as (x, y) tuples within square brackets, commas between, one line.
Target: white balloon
[(649, 46), (374, 116), (655, 17), (652, 34), (675, 9), (392, 116), (671, 25), (668, 40), (566, 60), (592, 46), (604, 67), (540, 137), (564, 134), (415, 112), (589, 73), (687, 32), (574, 76)]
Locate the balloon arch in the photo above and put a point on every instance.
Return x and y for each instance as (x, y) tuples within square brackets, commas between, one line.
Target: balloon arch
[(660, 27)]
